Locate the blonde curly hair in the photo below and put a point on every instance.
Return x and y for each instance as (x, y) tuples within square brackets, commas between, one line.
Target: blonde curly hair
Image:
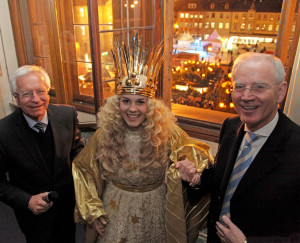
[(156, 130)]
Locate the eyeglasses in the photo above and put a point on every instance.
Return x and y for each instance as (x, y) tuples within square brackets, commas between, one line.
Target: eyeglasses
[(255, 89), (29, 94)]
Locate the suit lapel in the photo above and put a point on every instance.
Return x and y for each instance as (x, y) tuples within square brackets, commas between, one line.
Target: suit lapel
[(28, 141), (59, 129)]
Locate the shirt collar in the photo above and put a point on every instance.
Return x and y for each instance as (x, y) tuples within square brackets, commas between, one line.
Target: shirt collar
[(266, 130), (32, 122)]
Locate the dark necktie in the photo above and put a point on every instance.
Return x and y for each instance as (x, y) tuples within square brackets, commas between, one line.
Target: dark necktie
[(40, 126)]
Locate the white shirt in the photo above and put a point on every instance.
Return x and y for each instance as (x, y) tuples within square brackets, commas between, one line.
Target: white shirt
[(263, 134), (32, 122)]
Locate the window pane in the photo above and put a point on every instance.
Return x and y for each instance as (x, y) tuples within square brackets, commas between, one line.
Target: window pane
[(40, 25), (124, 14), (85, 79)]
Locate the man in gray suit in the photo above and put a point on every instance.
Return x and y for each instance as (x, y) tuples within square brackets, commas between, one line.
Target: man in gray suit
[(37, 145)]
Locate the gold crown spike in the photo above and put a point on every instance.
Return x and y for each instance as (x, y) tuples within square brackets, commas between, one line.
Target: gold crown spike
[(141, 69)]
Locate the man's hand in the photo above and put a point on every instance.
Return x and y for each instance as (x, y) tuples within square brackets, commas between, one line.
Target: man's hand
[(37, 205), (99, 225), (188, 172), (229, 233)]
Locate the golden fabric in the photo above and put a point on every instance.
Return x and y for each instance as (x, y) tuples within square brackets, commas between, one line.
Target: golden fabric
[(89, 186)]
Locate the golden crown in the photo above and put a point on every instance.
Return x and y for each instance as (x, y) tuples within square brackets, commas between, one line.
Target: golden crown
[(141, 68)]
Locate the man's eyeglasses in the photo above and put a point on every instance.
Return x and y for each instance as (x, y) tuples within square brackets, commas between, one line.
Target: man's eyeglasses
[(29, 94), (255, 89)]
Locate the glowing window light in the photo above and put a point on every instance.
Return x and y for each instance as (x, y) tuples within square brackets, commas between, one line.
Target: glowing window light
[(185, 69), (81, 10), (229, 75), (83, 30), (197, 62), (132, 5), (189, 61), (136, 2), (231, 105), (185, 62), (182, 87), (77, 45), (198, 69), (203, 75), (210, 69), (222, 105), (205, 89), (125, 5), (86, 57)]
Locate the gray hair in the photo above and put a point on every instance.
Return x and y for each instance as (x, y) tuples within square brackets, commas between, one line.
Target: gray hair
[(23, 70), (279, 72)]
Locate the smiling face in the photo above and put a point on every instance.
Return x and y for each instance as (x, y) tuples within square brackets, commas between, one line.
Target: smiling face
[(34, 106), (133, 109), (257, 110)]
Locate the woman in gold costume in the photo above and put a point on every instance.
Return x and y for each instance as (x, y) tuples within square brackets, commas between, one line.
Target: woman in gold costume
[(127, 187)]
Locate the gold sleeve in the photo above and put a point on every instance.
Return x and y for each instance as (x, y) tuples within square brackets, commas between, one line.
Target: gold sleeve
[(88, 184), (183, 220)]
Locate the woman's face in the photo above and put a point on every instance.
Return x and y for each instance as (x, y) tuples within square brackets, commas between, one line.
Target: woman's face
[(133, 109)]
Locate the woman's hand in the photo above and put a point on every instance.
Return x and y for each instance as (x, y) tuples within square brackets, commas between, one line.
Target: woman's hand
[(99, 225), (188, 172)]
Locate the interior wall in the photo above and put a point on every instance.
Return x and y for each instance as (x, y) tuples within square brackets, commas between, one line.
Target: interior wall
[(291, 108), (8, 59)]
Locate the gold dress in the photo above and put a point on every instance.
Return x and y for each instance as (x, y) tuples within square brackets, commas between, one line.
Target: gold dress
[(134, 202)]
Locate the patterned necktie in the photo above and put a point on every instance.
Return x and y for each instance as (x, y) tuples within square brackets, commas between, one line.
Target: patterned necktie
[(40, 126), (241, 165)]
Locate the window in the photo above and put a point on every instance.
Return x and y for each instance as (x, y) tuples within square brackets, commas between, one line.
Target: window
[(196, 16), (251, 16), (212, 6), (212, 25), (196, 25), (186, 15), (200, 25), (206, 25), (191, 16), (60, 37), (265, 16), (249, 27), (270, 27), (258, 16), (220, 25), (227, 26), (213, 15), (263, 27), (182, 15), (243, 16), (221, 15), (226, 6), (192, 5), (271, 17), (257, 27), (201, 16), (236, 16), (235, 26), (243, 26)]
